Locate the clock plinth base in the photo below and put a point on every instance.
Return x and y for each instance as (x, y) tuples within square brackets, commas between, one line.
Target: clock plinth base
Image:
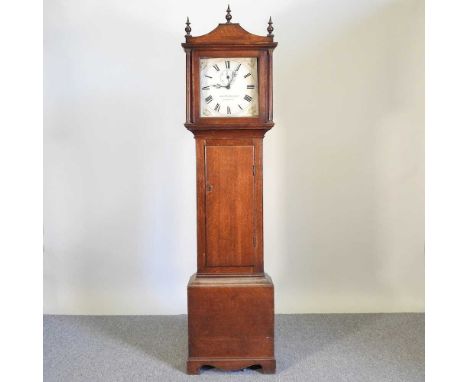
[(231, 323)]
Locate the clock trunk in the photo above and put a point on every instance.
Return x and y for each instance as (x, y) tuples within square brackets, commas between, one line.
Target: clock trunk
[(230, 232)]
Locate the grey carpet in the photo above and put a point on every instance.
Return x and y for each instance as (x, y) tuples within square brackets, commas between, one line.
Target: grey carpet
[(309, 347)]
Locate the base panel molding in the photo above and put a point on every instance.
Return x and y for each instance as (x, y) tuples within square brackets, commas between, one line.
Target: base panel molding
[(194, 365)]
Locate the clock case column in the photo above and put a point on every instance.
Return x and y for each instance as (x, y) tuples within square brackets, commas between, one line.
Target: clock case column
[(230, 298)]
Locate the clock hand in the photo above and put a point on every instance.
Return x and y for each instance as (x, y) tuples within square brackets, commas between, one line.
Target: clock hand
[(230, 78), (234, 74)]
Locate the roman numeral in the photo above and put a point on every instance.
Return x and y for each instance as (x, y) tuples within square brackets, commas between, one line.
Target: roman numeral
[(238, 66), (240, 107), (216, 67), (248, 98), (228, 64), (250, 86), (208, 99), (206, 87), (217, 107), (228, 110), (208, 76), (248, 74)]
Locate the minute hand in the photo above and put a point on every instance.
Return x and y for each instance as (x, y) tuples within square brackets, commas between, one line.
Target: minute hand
[(234, 75)]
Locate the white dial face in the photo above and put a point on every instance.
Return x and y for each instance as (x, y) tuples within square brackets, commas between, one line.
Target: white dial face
[(228, 87)]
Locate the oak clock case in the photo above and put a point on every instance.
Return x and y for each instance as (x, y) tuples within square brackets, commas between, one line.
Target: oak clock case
[(229, 110)]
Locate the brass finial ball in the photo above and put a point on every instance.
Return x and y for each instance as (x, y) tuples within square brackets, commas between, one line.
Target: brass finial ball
[(228, 14), (270, 27), (187, 28)]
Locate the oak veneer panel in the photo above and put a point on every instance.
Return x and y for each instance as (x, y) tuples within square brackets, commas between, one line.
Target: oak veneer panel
[(230, 228)]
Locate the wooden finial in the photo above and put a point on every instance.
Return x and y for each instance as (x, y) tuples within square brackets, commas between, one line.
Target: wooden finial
[(187, 28), (228, 15), (270, 27)]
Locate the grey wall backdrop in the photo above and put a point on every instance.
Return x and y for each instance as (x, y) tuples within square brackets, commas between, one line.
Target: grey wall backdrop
[(344, 170)]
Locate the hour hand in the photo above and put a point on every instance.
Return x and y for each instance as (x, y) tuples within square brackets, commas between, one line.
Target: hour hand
[(217, 86)]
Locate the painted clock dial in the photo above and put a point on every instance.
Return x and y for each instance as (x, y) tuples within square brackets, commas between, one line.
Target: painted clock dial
[(228, 87)]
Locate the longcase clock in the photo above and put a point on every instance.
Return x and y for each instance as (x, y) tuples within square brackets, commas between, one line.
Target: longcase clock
[(229, 110)]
